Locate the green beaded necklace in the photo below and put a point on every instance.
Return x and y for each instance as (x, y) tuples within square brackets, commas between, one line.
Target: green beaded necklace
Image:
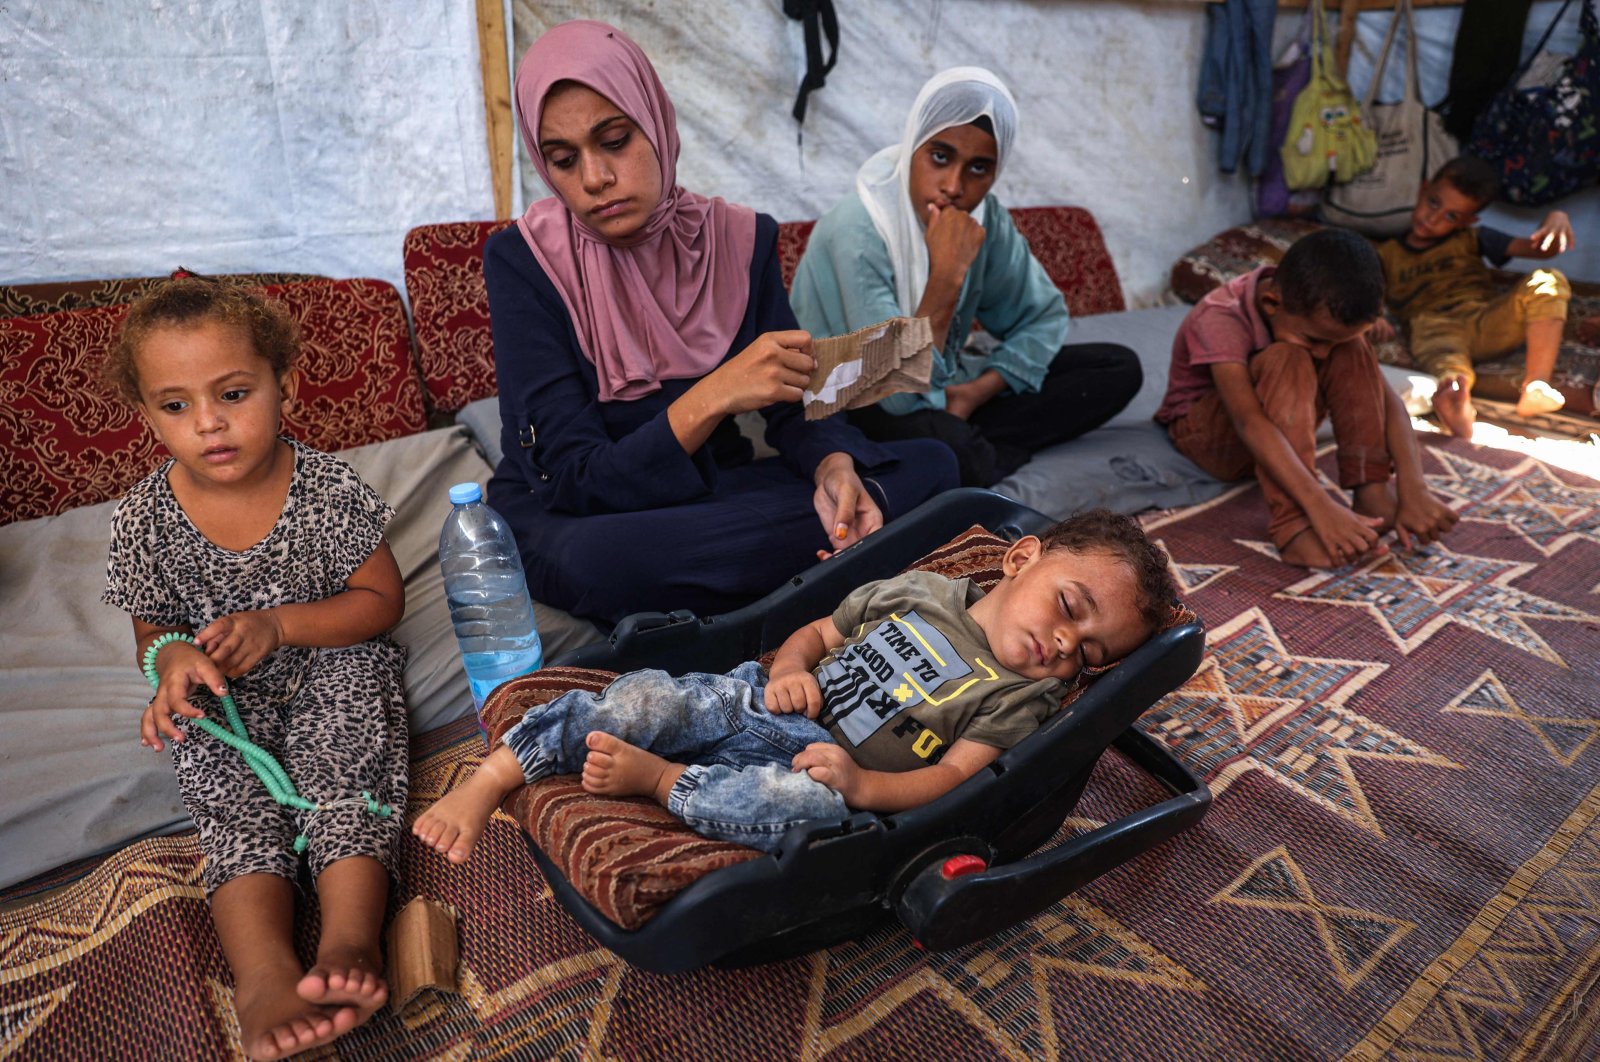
[(268, 769)]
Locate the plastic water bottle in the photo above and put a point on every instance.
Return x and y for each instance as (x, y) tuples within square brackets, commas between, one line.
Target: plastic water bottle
[(488, 594)]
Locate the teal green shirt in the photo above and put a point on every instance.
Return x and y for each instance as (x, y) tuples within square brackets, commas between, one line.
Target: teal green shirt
[(844, 282)]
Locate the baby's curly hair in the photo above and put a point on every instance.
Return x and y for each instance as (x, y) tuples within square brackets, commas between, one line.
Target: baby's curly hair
[(1103, 531), (188, 301)]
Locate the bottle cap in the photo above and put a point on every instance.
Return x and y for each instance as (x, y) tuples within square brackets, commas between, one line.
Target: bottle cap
[(463, 493)]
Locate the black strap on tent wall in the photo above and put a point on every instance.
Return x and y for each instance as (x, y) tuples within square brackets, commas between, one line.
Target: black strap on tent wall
[(818, 18)]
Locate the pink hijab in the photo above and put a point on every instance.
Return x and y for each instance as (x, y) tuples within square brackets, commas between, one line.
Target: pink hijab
[(667, 305)]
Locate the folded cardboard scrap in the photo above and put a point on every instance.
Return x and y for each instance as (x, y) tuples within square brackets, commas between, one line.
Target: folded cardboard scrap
[(422, 950), (870, 363)]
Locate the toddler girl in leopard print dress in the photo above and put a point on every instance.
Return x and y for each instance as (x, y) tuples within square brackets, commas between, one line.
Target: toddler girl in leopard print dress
[(271, 556)]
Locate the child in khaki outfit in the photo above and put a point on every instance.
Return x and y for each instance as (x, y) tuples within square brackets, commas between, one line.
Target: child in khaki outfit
[(1258, 364), (1441, 290)]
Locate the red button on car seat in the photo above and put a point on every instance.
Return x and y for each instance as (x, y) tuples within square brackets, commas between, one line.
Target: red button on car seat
[(956, 866)]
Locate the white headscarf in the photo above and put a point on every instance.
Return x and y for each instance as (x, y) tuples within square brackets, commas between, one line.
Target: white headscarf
[(952, 97)]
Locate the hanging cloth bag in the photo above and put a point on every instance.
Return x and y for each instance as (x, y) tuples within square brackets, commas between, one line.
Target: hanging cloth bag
[(1290, 74), (1412, 144), (1545, 139), (1327, 141)]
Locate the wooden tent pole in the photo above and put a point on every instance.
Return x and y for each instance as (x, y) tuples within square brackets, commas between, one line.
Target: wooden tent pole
[(496, 101)]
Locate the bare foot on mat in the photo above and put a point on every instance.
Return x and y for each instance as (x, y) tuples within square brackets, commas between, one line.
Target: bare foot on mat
[(1379, 500), (456, 820), (345, 977), (1539, 397), (1452, 404), (616, 768), (1306, 550), (274, 1022)]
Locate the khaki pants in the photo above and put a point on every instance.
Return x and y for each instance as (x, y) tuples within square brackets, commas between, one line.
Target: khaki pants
[(1297, 391), (1446, 344)]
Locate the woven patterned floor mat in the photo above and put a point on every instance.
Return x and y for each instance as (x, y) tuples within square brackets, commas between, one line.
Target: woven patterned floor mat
[(1403, 859)]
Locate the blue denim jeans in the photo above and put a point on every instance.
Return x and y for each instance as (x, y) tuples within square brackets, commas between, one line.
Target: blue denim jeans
[(736, 786)]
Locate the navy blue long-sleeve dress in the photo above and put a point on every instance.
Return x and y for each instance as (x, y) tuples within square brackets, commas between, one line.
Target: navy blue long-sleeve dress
[(610, 513)]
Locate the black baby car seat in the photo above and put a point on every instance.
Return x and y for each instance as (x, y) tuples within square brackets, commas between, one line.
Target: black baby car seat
[(954, 870)]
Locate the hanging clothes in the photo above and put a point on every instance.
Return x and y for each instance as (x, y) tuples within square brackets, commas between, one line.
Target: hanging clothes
[(1488, 51), (1235, 93)]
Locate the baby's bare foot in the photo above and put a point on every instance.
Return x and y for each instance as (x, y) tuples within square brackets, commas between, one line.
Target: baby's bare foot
[(1452, 403), (616, 768), (456, 820), (276, 1022)]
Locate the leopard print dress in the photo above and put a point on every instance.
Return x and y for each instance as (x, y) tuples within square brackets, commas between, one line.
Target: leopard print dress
[(334, 718)]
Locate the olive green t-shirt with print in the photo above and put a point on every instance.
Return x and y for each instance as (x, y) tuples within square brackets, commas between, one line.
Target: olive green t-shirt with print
[(916, 673), (1443, 275)]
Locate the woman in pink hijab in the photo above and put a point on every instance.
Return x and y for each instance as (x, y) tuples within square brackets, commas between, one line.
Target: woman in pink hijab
[(633, 320)]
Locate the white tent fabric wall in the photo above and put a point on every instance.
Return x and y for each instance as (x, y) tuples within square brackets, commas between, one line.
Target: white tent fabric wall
[(1105, 90), (233, 135)]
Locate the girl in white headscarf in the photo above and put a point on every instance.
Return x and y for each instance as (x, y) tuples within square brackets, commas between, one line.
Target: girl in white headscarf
[(922, 235)]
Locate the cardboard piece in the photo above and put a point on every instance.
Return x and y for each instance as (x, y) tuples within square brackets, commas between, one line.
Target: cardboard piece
[(857, 369), (422, 950)]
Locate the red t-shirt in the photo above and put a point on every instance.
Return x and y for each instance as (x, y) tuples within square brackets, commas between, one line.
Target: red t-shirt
[(1225, 326)]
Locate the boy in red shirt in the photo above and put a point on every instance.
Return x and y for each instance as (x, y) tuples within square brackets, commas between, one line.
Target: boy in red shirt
[(1258, 364)]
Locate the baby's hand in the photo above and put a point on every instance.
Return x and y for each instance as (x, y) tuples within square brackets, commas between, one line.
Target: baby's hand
[(830, 765), (1422, 519), (238, 642), (1553, 237), (182, 669), (795, 692)]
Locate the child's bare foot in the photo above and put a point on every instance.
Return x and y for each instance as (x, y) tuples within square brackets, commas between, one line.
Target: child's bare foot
[(616, 768), (345, 977), (456, 820), (1539, 397), (1452, 403), (275, 1022), (1305, 550), (1377, 499)]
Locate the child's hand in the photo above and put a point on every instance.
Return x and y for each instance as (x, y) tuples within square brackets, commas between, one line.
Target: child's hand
[(1553, 237), (795, 692), (830, 765), (181, 669), (1345, 534), (954, 240), (1382, 331), (1422, 519), (238, 642)]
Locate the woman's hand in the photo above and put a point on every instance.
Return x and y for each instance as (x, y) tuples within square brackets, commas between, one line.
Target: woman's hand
[(775, 368), (238, 642), (847, 511), (181, 669), (954, 240)]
